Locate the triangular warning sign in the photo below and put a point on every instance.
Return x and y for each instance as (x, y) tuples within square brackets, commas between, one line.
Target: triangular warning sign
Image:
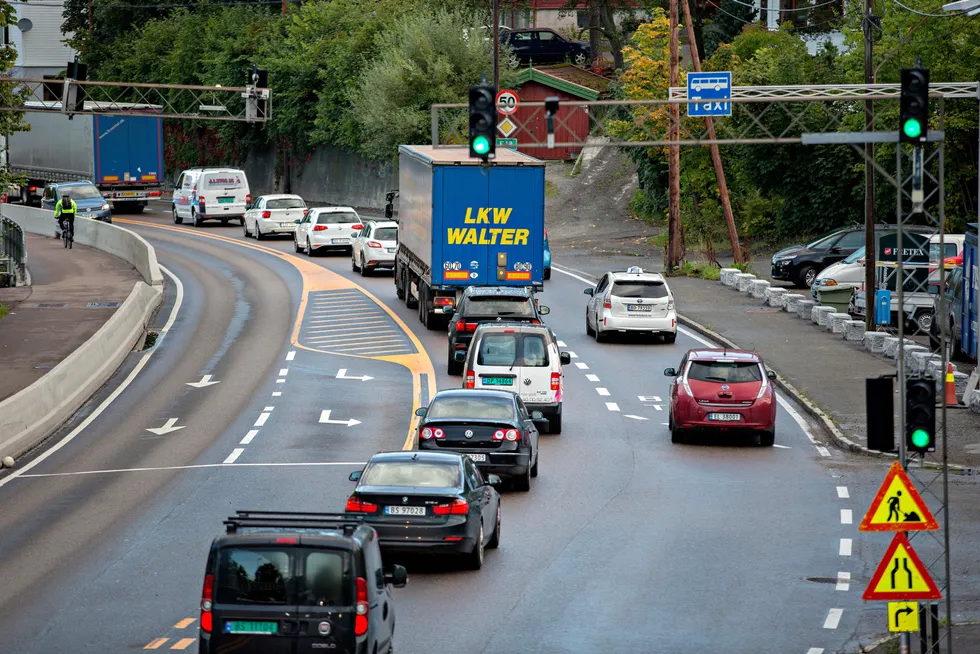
[(901, 575), (898, 506)]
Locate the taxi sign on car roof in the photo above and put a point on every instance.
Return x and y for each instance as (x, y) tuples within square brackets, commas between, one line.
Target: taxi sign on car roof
[(634, 270)]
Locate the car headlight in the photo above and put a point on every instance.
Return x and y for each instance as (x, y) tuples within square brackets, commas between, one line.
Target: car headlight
[(827, 282), (105, 207)]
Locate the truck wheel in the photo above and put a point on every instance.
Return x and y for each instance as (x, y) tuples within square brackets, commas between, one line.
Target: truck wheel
[(177, 219), (547, 273), (399, 287), (410, 300), (423, 312)]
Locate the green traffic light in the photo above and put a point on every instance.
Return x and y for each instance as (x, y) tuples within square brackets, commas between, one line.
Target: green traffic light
[(912, 128), (481, 145), (920, 438)]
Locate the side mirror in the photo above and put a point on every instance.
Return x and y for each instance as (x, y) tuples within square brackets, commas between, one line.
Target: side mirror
[(448, 310), (460, 355), (296, 221), (355, 476), (397, 576), (565, 358), (389, 212), (494, 480), (770, 374), (589, 291), (544, 311), (670, 372), (835, 249), (420, 411)]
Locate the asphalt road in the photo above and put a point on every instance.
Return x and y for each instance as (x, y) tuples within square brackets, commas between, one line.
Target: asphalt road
[(625, 543)]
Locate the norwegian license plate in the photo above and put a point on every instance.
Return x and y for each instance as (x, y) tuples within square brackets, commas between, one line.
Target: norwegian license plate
[(390, 250), (225, 200), (497, 381), (725, 417), (638, 307), (405, 510), (250, 627), (477, 458), (129, 194), (340, 240)]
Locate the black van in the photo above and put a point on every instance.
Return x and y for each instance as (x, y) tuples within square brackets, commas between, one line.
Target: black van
[(294, 583)]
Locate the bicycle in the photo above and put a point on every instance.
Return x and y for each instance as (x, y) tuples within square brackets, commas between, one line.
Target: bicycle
[(68, 233)]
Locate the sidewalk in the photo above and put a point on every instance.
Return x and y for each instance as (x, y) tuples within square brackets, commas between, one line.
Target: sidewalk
[(966, 638), (72, 294)]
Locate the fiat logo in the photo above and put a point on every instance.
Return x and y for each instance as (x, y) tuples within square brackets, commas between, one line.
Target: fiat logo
[(468, 433), (323, 628)]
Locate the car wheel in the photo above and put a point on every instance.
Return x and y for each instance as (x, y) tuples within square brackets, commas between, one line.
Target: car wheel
[(588, 328), (296, 245), (363, 268), (309, 248), (547, 273), (676, 436), (353, 264), (453, 367), (580, 59), (259, 236), (670, 338), (474, 560), (177, 219), (806, 277), (242, 220), (523, 483), (554, 423), (495, 538), (766, 439), (246, 234), (923, 322), (196, 219), (599, 336), (534, 468)]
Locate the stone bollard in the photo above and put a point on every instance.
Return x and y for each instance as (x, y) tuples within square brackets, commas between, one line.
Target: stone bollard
[(936, 370), (959, 380), (757, 288), (792, 301), (805, 308), (854, 330), (775, 296), (974, 400), (835, 322), (820, 314), (874, 342), (726, 275), (891, 346), (742, 282), (920, 360), (910, 352)]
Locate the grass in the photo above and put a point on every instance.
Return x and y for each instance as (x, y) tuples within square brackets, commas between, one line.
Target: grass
[(550, 189), (3, 311)]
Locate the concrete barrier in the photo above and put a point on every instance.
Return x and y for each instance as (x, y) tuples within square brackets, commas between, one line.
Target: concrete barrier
[(874, 342), (921, 361), (910, 352), (791, 301), (891, 346), (819, 315), (775, 296), (726, 275), (835, 322), (757, 288), (973, 400), (854, 330), (805, 309), (742, 282)]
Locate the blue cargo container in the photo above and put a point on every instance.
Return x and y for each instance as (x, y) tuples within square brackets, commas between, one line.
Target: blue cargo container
[(971, 280), (466, 224)]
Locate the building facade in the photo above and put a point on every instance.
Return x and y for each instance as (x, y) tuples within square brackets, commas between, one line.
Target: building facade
[(37, 36)]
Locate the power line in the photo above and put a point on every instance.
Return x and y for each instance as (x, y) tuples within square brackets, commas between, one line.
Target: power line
[(782, 29), (945, 36), (175, 5), (920, 13)]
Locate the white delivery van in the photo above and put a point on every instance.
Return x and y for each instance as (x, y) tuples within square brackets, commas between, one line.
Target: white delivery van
[(211, 194)]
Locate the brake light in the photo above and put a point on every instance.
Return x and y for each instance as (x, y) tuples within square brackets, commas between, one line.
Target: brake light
[(534, 321), (267, 214), (512, 435), (426, 434), (306, 211), (607, 304), (458, 507), (361, 608), (287, 541), (319, 228), (470, 380), (555, 381), (207, 597), (374, 244), (466, 326), (201, 199), (32, 189), (356, 505), (248, 197), (356, 227), (498, 435), (443, 301)]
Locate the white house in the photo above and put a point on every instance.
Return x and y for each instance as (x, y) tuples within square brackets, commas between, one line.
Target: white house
[(38, 39)]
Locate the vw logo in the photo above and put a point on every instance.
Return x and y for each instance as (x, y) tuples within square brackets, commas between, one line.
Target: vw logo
[(527, 381), (404, 500), (323, 628), (468, 433), (724, 387)]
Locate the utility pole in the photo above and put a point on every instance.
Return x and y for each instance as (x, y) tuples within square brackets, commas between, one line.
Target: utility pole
[(726, 204), (285, 7), (496, 45), (674, 154), (869, 174), (91, 17)]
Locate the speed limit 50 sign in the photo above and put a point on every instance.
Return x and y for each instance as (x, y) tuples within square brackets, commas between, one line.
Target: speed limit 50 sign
[(507, 102)]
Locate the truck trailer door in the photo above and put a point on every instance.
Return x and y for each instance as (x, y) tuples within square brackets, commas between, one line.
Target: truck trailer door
[(466, 224)]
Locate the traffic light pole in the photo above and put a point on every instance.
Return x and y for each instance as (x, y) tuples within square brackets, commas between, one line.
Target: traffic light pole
[(496, 45)]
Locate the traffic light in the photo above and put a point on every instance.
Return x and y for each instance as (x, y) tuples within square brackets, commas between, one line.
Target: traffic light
[(76, 94), (920, 415), (259, 78), (483, 122), (880, 405), (914, 123)]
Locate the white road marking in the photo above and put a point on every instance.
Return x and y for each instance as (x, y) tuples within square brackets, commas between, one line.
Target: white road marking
[(277, 394), (845, 547), (665, 423), (205, 381), (823, 451), (284, 372), (235, 453), (572, 354), (649, 398), (581, 366), (842, 492), (342, 374), (627, 415), (782, 447), (562, 344), (262, 419), (602, 391), (846, 516), (612, 406), (291, 355), (280, 381), (815, 650), (657, 407), (252, 433), (592, 378), (169, 426), (843, 581), (325, 419), (99, 410), (833, 618), (571, 274), (195, 467), (270, 408)]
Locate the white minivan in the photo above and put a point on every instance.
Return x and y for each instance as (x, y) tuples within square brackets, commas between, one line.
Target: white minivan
[(211, 194), (522, 358)]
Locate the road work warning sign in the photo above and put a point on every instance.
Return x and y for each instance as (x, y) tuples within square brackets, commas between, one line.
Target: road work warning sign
[(898, 506)]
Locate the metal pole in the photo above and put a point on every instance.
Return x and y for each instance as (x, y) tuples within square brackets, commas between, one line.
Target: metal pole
[(934, 620), (899, 283), (869, 173), (496, 45), (674, 154), (91, 16), (942, 280)]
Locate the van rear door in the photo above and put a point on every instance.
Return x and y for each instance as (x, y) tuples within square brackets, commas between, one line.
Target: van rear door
[(326, 591), (225, 192), (537, 365)]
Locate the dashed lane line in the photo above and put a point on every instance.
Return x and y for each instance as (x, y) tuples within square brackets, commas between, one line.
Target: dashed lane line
[(602, 391), (252, 433), (198, 466), (833, 618), (184, 643), (284, 372), (186, 622), (263, 418), (280, 381), (592, 378), (291, 355), (815, 650), (612, 406), (270, 408), (277, 394), (562, 344), (235, 453), (843, 581), (842, 492), (572, 354), (628, 415), (156, 643), (845, 547), (581, 366), (846, 516)]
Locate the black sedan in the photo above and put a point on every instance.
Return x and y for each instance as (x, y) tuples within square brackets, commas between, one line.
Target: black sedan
[(493, 428), (428, 502)]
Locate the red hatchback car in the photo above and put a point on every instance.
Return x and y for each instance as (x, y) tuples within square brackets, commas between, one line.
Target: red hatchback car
[(722, 390)]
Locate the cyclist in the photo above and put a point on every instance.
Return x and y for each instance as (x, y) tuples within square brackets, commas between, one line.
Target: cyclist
[(64, 213)]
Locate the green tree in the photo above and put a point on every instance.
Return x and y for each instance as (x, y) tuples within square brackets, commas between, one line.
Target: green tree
[(10, 121), (728, 22)]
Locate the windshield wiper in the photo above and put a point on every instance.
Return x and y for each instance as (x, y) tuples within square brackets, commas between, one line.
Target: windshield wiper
[(721, 379)]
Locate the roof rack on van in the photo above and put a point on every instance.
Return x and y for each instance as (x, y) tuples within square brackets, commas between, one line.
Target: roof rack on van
[(292, 520)]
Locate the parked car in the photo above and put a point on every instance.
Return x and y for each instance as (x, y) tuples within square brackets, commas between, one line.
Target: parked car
[(722, 390), (631, 301), (374, 246), (953, 318), (327, 229), (543, 46), (486, 32), (547, 256), (88, 198), (211, 194), (273, 214)]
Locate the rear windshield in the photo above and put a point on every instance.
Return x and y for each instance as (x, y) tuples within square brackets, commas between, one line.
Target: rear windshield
[(856, 256), (285, 203), (411, 474), (639, 289), (473, 408), (337, 218), (224, 180), (499, 306), (501, 350), (81, 192), (265, 575), (386, 233), (732, 372)]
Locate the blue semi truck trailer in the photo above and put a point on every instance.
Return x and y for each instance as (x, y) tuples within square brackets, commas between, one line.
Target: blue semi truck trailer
[(464, 223)]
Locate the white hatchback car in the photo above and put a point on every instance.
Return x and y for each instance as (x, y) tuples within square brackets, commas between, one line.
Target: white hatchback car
[(327, 228), (631, 301), (273, 214), (375, 246), (521, 358)]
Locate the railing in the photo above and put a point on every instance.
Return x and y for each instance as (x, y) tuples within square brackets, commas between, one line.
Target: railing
[(13, 253)]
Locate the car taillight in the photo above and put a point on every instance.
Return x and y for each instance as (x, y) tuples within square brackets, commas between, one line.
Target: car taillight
[(607, 305), (534, 321), (670, 304), (555, 380), (248, 198), (438, 433), (357, 227), (374, 244), (319, 228), (267, 214), (458, 507), (426, 434), (687, 387), (201, 199), (207, 597), (306, 211), (765, 382), (512, 434), (470, 380), (466, 326), (356, 505), (498, 435), (361, 608)]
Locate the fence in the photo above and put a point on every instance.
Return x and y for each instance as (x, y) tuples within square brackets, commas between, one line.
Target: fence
[(13, 253)]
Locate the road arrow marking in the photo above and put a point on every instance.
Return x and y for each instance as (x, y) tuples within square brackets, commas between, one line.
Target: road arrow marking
[(342, 374), (167, 428), (325, 420), (205, 381), (627, 415)]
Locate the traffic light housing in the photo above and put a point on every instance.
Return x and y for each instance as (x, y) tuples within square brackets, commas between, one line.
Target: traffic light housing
[(920, 415), (259, 78), (880, 410), (483, 122), (913, 124), (76, 95)]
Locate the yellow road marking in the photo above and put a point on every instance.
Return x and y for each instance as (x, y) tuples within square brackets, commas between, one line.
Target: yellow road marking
[(156, 643), (355, 327), (183, 624), (318, 278), (183, 643), (333, 340)]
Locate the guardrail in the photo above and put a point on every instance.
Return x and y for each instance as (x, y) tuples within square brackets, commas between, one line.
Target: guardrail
[(13, 253)]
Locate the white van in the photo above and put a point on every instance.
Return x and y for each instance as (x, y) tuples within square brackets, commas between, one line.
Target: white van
[(211, 194), (522, 358)]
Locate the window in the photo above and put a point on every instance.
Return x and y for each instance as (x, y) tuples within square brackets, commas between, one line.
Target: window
[(85, 192), (521, 38), (582, 19), (950, 251), (651, 289), (326, 578), (473, 479), (253, 576), (603, 283), (823, 242), (492, 307), (548, 38), (188, 182), (285, 203), (851, 240), (535, 351), (498, 350), (471, 408), (337, 218), (411, 474), (856, 256), (386, 233), (732, 372)]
